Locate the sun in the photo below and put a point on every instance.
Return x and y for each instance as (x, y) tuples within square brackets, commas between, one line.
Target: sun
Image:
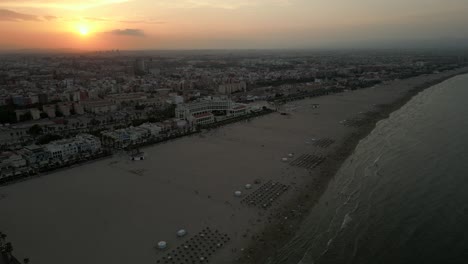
[(83, 30)]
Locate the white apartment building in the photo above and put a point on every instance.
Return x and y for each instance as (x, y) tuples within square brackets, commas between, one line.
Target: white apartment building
[(67, 149), (62, 149), (201, 111), (153, 129)]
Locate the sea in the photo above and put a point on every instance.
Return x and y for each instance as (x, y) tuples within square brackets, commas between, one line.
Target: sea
[(402, 196)]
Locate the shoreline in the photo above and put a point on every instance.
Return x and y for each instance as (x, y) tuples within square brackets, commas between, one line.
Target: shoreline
[(190, 183), (294, 211)]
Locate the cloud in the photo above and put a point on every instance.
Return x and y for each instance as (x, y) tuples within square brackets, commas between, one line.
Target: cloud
[(60, 4), (48, 18), (138, 21), (127, 32), (142, 21), (8, 15), (224, 4)]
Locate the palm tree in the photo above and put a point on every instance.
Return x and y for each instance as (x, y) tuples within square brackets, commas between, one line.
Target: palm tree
[(8, 248), (2, 237)]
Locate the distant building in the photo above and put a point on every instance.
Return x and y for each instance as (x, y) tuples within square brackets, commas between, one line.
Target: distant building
[(140, 66), (99, 106), (35, 113), (176, 99), (19, 100), (230, 88), (49, 110), (64, 108), (20, 114), (84, 95), (79, 110), (157, 102), (43, 98), (129, 98)]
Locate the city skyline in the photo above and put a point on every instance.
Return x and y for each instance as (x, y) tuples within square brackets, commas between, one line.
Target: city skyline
[(197, 24)]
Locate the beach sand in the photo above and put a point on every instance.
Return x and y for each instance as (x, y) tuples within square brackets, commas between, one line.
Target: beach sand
[(116, 210)]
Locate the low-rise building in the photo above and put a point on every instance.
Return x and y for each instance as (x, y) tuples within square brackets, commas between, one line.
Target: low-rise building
[(124, 137), (203, 106), (118, 138), (11, 159), (11, 164), (35, 113), (99, 106), (204, 111), (88, 144), (64, 108), (153, 128), (36, 155), (78, 109), (127, 98), (230, 88), (73, 148), (49, 110)]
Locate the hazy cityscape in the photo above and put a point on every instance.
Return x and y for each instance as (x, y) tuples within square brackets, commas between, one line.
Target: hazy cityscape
[(59, 109), (160, 138)]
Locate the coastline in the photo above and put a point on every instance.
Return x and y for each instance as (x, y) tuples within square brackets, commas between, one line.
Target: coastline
[(263, 248), (189, 183)]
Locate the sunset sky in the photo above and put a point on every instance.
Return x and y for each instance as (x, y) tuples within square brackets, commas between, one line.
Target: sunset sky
[(206, 24)]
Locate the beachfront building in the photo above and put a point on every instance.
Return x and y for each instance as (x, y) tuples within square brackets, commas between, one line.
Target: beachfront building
[(153, 128), (239, 109), (125, 137), (36, 156), (203, 111), (88, 144), (11, 163), (62, 150), (11, 159), (83, 145), (118, 138)]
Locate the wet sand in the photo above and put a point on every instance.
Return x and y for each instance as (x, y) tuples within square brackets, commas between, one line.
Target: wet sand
[(116, 210)]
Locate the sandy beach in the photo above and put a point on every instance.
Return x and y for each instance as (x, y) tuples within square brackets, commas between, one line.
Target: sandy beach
[(116, 210)]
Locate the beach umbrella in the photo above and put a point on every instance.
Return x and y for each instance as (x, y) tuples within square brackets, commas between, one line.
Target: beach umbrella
[(291, 155), (248, 186), (162, 244), (237, 193), (284, 159), (181, 233)]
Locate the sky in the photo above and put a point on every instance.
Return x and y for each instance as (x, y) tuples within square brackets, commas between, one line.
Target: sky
[(230, 24)]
